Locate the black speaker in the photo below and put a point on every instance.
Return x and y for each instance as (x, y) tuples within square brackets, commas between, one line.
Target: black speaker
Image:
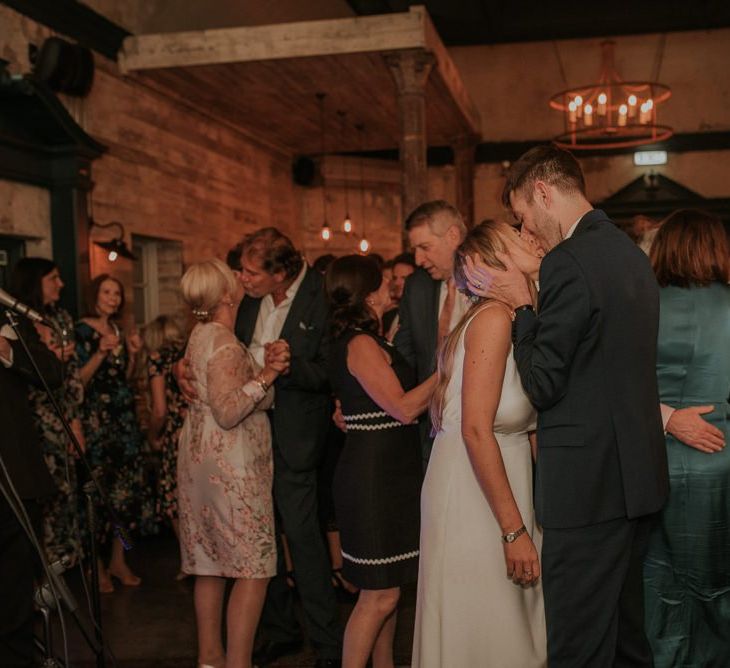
[(65, 67), (304, 171)]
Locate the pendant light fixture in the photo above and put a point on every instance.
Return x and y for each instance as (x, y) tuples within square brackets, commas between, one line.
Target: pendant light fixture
[(364, 245), (612, 112), (326, 231), (347, 222)]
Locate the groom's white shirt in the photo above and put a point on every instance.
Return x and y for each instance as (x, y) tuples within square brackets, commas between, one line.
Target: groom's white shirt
[(572, 228)]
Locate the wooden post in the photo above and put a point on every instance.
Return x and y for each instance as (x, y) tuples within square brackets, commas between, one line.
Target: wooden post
[(464, 147), (410, 69)]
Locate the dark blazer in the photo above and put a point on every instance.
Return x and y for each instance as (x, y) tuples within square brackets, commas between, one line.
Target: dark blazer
[(19, 443), (417, 335), (588, 363), (301, 411)]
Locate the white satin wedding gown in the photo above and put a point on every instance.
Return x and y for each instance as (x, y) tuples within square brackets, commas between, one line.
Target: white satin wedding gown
[(469, 614)]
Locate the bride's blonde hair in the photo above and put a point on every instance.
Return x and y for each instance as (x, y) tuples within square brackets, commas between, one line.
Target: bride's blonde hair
[(485, 240)]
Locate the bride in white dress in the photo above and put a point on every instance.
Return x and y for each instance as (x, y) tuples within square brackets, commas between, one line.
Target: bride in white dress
[(480, 598)]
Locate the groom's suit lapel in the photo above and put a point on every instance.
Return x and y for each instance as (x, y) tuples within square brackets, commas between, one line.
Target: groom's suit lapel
[(589, 221), (297, 316), (248, 313)]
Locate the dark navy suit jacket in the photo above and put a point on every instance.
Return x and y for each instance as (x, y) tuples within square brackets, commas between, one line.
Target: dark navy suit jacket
[(302, 402), (587, 361)]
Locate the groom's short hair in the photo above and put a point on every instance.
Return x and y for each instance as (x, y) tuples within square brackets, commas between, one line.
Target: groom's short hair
[(544, 163)]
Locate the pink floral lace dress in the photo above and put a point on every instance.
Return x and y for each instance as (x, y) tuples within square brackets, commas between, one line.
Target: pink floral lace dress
[(225, 466)]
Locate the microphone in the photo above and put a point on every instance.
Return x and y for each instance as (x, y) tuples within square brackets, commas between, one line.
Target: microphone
[(18, 307)]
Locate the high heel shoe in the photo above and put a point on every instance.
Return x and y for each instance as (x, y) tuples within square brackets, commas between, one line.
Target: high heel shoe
[(218, 664), (128, 579)]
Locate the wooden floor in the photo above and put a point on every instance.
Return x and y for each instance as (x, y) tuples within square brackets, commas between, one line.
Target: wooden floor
[(154, 625)]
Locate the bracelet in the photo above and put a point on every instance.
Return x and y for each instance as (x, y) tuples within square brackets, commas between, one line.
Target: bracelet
[(262, 382), (512, 536)]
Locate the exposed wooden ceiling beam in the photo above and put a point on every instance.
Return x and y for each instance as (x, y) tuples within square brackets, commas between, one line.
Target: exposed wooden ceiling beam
[(271, 42), (312, 47)]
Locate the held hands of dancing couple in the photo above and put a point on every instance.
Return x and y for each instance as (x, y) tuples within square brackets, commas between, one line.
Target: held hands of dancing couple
[(277, 360)]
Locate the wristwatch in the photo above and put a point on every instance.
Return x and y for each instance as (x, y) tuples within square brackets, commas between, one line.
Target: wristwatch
[(514, 535)]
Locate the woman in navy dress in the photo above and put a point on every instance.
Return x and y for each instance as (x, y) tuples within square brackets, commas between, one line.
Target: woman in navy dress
[(378, 477)]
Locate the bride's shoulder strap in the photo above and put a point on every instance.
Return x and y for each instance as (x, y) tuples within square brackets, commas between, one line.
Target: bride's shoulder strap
[(493, 303)]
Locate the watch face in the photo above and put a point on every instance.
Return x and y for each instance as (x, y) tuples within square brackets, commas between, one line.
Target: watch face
[(510, 538)]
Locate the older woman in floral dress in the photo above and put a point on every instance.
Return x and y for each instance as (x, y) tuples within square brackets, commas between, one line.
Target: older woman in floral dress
[(225, 469)]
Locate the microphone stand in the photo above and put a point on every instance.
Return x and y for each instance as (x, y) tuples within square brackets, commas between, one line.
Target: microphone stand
[(91, 487)]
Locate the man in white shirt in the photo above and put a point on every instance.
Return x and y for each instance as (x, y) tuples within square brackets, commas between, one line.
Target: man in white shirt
[(285, 299), (431, 306)]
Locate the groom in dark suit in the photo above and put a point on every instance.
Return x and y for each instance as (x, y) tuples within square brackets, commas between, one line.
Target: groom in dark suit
[(285, 299), (587, 360)]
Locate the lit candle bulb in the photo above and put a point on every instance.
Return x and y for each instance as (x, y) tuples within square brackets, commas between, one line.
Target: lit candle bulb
[(364, 245), (646, 108), (347, 225), (571, 111), (649, 108), (588, 115), (632, 105), (623, 111), (326, 232), (578, 105), (602, 99)]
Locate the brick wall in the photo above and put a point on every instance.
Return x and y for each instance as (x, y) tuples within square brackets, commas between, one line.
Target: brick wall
[(170, 172)]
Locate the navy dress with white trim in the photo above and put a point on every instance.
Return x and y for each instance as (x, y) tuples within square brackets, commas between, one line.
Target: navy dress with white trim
[(377, 484)]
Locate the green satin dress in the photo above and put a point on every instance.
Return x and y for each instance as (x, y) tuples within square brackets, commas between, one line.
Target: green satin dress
[(687, 567)]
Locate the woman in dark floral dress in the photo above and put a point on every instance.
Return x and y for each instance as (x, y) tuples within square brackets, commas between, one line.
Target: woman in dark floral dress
[(36, 281), (113, 438), (164, 343)]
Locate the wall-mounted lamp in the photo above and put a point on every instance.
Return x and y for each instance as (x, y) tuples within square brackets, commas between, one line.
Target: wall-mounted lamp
[(115, 247)]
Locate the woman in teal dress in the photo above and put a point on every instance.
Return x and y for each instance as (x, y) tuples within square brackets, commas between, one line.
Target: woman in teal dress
[(113, 438), (687, 566)]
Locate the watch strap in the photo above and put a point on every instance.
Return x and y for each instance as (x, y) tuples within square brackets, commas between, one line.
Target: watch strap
[(512, 536)]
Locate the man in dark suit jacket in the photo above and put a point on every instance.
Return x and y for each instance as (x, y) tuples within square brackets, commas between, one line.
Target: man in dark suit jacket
[(587, 360), (435, 230), (21, 456), (286, 300)]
